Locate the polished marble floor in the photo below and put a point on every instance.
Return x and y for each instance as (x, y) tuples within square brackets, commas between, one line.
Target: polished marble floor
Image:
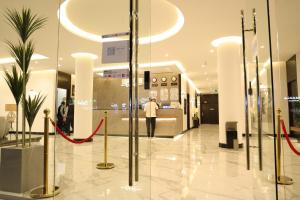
[(188, 167)]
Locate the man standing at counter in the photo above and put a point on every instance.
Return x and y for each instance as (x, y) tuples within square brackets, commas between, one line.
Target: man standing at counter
[(150, 109)]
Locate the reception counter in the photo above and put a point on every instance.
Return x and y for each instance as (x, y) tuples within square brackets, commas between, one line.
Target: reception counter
[(168, 122)]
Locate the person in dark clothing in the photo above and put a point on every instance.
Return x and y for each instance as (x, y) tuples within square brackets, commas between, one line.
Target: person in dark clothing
[(70, 116), (60, 115)]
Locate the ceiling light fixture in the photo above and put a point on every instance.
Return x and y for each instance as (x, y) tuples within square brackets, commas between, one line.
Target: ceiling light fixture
[(67, 23), (211, 51), (153, 64), (12, 60), (84, 54), (228, 39)]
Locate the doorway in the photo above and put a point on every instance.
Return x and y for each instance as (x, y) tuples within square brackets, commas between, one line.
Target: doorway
[(209, 109)]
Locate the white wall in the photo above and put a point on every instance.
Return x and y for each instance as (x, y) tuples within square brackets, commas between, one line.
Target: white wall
[(280, 91), (40, 81)]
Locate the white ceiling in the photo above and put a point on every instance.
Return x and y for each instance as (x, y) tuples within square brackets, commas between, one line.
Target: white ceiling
[(205, 20)]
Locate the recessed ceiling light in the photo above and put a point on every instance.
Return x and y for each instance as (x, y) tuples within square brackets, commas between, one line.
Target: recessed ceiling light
[(60, 58), (203, 65), (262, 46), (212, 51), (12, 60), (228, 39), (84, 54), (166, 55)]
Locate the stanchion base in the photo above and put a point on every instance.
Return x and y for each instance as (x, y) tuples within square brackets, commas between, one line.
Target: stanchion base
[(38, 193), (105, 165), (284, 180)]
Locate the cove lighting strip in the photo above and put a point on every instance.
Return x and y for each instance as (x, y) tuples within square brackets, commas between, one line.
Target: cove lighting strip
[(67, 23), (9, 60), (152, 65), (227, 39)]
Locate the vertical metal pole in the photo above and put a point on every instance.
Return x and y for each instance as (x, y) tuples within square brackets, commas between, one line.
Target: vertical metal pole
[(130, 152), (278, 146), (46, 147), (136, 130), (24, 97), (105, 165), (272, 89), (246, 94), (259, 119), (105, 138)]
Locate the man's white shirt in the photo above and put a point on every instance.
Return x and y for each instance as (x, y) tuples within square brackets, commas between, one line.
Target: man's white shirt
[(150, 109)]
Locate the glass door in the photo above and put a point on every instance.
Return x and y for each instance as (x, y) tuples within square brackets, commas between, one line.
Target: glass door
[(260, 92), (98, 153), (285, 26)]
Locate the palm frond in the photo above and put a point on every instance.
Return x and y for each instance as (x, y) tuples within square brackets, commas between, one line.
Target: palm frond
[(18, 51), (15, 83), (32, 107), (24, 23)]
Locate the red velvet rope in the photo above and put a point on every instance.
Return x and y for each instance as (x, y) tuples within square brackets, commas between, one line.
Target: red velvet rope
[(288, 138), (72, 140)]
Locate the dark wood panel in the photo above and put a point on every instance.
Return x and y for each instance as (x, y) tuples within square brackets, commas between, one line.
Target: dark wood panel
[(64, 82), (209, 108)]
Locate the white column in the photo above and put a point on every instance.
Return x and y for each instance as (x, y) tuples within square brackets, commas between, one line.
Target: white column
[(231, 96), (83, 113)]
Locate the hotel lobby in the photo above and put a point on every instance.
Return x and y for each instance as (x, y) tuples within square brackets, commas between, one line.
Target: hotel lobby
[(221, 77)]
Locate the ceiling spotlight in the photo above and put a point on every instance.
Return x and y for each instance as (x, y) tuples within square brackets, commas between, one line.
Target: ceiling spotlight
[(262, 46), (166, 55), (212, 51)]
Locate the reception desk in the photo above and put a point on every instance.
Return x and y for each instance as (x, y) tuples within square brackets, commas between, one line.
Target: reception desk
[(168, 122)]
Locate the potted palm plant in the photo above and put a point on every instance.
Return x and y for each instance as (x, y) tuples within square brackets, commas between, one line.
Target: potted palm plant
[(15, 84), (25, 23), (32, 107)]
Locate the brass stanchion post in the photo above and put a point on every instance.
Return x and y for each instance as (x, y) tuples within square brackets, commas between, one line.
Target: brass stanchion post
[(43, 191), (105, 164), (283, 180)]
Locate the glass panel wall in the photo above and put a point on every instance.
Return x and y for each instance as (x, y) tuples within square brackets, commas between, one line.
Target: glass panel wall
[(29, 39), (285, 27), (96, 81), (261, 100)]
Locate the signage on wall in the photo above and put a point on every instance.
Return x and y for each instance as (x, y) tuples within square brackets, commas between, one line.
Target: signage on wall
[(164, 82), (174, 81), (115, 52), (154, 82), (120, 73)]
